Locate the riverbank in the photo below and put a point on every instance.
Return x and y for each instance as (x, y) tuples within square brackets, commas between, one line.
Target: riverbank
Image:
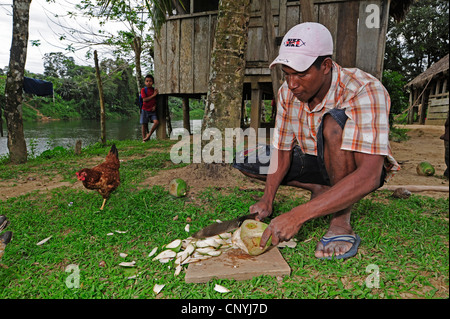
[(42, 136)]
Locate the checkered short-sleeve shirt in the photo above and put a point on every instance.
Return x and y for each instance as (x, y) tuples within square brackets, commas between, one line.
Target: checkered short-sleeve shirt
[(366, 103)]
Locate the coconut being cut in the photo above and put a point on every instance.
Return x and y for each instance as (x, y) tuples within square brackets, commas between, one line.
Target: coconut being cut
[(244, 261), (192, 250), (248, 237)]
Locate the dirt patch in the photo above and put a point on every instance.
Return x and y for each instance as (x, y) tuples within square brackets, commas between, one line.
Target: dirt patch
[(198, 180), (424, 145), (30, 184), (33, 182)]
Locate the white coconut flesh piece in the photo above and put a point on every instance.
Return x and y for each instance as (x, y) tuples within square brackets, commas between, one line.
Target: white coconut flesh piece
[(157, 288), (165, 254), (44, 241), (175, 245), (186, 242), (164, 260), (237, 241), (221, 289), (214, 253), (208, 242), (178, 270), (225, 235), (291, 244), (191, 250), (205, 251), (154, 250), (128, 264)]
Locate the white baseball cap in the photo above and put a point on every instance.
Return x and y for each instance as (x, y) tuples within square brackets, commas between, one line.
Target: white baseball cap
[(302, 45)]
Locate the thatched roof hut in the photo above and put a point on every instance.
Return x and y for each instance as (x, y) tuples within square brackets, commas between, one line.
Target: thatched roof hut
[(435, 69), (429, 95)]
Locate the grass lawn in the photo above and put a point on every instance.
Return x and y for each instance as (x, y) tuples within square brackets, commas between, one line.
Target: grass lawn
[(406, 240)]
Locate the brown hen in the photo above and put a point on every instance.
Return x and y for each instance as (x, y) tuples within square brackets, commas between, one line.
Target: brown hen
[(105, 177)]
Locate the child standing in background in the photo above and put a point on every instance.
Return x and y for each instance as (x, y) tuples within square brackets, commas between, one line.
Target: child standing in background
[(148, 112)]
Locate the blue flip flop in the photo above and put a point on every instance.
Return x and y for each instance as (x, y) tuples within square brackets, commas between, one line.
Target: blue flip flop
[(354, 239)]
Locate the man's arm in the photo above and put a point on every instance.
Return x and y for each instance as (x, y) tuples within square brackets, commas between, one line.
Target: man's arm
[(280, 161), (362, 181)]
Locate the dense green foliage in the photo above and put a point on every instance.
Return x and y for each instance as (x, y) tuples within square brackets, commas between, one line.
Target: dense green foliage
[(419, 40), (412, 46), (196, 108), (394, 82), (76, 91)]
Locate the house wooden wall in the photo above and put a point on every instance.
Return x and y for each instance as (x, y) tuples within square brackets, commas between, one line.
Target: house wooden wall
[(429, 95), (438, 101), (183, 49)]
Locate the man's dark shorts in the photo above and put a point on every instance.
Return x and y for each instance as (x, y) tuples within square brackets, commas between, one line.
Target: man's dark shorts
[(147, 116), (304, 168)]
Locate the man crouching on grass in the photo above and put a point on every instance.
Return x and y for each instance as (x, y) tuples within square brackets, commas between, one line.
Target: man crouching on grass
[(331, 137)]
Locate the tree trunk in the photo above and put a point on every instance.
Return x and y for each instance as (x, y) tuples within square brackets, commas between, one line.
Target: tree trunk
[(137, 48), (226, 79), (1, 119), (102, 100), (224, 97), (14, 82)]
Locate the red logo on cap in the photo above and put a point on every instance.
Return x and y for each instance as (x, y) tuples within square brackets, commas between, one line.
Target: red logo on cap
[(294, 43)]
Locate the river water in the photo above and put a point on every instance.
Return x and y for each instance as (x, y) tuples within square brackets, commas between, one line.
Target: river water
[(41, 136)]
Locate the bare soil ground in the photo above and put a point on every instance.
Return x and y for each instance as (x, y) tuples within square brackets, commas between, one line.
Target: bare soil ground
[(424, 145)]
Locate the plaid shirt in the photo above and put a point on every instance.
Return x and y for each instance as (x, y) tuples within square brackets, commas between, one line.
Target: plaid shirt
[(366, 103)]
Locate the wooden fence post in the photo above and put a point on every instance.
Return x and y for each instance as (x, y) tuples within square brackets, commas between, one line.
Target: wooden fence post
[(102, 102)]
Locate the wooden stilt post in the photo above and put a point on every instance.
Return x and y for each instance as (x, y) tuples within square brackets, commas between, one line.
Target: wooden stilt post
[(186, 117), (161, 109), (102, 100), (255, 111)]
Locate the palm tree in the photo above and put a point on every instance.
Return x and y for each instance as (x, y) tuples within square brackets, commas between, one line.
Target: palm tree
[(224, 97)]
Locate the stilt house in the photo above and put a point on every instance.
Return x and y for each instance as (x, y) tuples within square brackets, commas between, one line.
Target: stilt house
[(183, 48)]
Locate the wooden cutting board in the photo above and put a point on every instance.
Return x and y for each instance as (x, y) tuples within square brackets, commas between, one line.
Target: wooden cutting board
[(236, 264)]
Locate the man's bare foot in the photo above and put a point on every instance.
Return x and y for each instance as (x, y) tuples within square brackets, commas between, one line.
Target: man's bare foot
[(335, 248)]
